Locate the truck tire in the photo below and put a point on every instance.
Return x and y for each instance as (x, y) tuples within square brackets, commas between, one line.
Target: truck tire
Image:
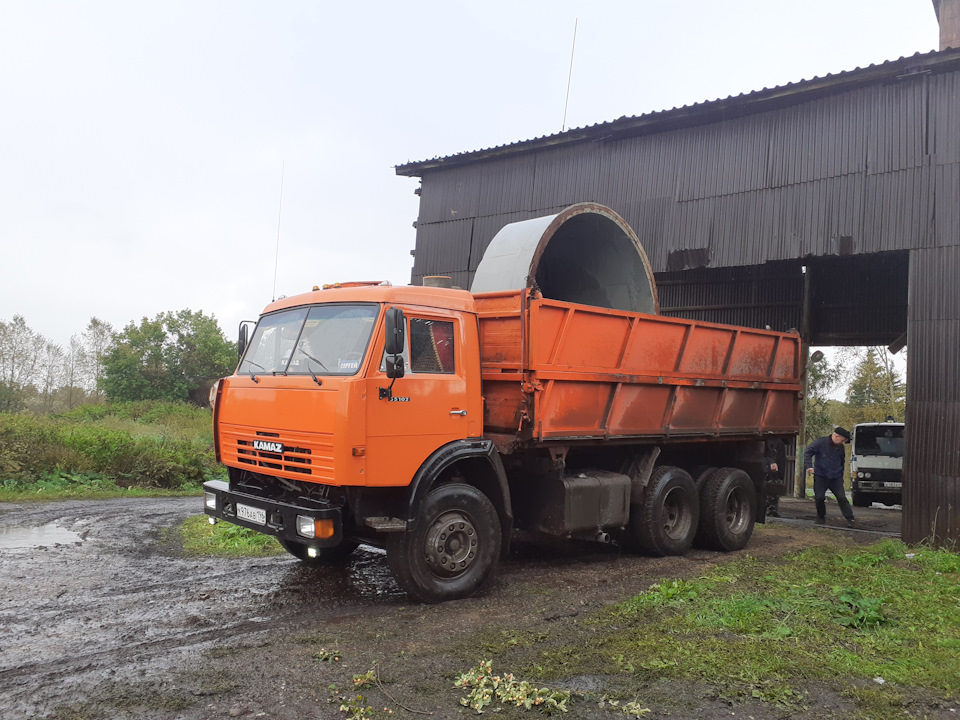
[(325, 556), (452, 548), (701, 474), (666, 521), (728, 504), (860, 499)]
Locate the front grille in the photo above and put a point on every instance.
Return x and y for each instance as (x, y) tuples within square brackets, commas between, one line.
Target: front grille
[(292, 459), (302, 455)]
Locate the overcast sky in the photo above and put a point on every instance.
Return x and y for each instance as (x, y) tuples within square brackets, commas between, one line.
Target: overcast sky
[(142, 144)]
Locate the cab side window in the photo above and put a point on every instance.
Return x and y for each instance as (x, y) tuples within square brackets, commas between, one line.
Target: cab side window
[(431, 346)]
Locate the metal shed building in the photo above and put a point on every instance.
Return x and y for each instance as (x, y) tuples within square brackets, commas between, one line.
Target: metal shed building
[(830, 205)]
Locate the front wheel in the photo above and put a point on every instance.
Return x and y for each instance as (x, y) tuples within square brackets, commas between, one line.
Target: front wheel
[(452, 548)]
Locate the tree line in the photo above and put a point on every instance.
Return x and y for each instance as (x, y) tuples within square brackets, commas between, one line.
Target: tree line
[(873, 390), (174, 356)]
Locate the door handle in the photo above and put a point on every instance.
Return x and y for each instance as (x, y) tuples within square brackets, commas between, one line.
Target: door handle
[(458, 412)]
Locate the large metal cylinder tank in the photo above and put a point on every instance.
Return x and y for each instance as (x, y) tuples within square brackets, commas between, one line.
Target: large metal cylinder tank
[(585, 254)]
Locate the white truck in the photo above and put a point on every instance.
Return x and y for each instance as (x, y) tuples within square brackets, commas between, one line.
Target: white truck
[(876, 464)]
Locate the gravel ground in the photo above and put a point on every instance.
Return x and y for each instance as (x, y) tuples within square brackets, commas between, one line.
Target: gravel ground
[(102, 616)]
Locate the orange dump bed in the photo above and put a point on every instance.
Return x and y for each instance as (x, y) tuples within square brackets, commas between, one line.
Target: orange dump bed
[(561, 372)]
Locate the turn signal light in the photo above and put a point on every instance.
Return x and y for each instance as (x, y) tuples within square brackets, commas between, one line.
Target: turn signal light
[(323, 529)]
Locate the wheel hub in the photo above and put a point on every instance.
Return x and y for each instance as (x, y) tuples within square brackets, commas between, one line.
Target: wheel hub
[(735, 515), (451, 544), (676, 518)]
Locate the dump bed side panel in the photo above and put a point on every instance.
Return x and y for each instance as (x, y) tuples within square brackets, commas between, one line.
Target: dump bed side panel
[(556, 370), (506, 406)]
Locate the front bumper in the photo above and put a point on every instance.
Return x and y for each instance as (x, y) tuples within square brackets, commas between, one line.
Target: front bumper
[(878, 487), (280, 519)]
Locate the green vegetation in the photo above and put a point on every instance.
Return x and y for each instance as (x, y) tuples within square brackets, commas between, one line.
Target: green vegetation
[(166, 358), (174, 357), (879, 618), (823, 378), (202, 538), (106, 451), (875, 390), (483, 688)]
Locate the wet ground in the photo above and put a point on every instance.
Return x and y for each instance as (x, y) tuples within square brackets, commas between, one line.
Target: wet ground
[(102, 616)]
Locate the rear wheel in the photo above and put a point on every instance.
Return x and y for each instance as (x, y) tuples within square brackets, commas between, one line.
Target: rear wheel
[(666, 521), (701, 474), (728, 504), (453, 547), (325, 556)]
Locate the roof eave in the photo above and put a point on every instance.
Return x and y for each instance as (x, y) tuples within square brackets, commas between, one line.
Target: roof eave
[(700, 113)]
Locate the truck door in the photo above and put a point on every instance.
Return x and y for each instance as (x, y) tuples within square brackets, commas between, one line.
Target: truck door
[(436, 402)]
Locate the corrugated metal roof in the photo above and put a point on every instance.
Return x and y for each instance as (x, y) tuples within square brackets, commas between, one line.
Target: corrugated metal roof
[(745, 103)]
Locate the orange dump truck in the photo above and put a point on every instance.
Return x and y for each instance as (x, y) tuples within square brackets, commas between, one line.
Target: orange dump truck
[(434, 421)]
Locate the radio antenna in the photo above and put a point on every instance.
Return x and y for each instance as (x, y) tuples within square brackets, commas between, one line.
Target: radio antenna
[(276, 257), (570, 75)]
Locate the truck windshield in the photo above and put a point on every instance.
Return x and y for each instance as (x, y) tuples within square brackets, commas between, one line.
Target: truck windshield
[(879, 440), (320, 340)]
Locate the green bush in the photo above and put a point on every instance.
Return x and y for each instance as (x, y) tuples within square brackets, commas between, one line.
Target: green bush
[(169, 417), (146, 445)]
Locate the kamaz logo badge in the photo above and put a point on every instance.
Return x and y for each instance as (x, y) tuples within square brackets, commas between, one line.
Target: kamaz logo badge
[(265, 446)]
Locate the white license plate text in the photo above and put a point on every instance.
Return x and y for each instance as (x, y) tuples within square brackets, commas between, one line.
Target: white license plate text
[(252, 514)]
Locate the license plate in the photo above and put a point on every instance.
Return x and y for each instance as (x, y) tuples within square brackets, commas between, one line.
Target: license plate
[(252, 514), (893, 484)]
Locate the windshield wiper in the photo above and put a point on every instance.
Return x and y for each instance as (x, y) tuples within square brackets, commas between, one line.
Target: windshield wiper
[(311, 357), (253, 375), (322, 366)]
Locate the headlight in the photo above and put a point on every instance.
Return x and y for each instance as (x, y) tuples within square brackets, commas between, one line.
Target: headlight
[(866, 475), (305, 526), (210, 500)]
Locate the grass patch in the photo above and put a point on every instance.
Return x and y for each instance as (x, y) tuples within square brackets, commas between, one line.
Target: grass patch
[(133, 699), (99, 451), (877, 702), (765, 629), (225, 539), (60, 485), (500, 642)]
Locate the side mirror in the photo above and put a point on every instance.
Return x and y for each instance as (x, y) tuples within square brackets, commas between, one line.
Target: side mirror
[(394, 366), (243, 339), (394, 328)]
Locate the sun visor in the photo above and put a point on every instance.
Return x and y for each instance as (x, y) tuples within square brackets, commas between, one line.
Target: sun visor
[(585, 254)]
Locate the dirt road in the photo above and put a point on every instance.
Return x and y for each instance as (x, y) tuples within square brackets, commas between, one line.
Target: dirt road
[(101, 616)]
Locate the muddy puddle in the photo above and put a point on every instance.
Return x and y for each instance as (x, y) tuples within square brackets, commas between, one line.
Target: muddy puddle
[(30, 537), (100, 590)]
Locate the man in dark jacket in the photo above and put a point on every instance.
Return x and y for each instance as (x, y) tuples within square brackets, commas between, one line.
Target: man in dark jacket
[(775, 458), (825, 458)]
